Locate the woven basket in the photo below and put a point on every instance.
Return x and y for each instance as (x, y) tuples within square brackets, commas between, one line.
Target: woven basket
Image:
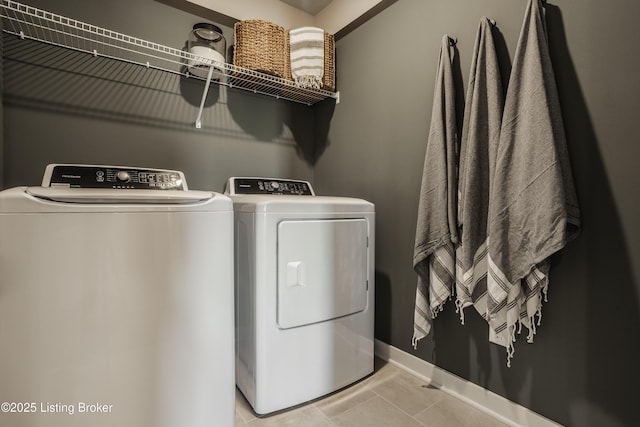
[(259, 46), (329, 77)]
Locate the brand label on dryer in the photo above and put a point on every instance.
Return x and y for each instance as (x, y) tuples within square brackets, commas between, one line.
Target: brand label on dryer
[(272, 186)]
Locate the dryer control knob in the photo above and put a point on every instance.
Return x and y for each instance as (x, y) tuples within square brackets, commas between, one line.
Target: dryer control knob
[(123, 176), (275, 185)]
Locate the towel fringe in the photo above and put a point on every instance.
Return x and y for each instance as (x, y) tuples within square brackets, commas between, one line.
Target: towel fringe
[(545, 290), (460, 310), (308, 82), (511, 348), (532, 329), (438, 308), (414, 341)]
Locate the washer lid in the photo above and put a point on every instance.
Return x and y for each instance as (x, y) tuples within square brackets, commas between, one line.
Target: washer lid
[(100, 185), (118, 196), (20, 200)]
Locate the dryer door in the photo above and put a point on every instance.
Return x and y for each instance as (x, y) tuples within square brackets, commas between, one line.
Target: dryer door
[(322, 270)]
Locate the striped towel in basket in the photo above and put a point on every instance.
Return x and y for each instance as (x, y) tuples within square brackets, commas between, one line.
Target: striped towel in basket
[(307, 56)]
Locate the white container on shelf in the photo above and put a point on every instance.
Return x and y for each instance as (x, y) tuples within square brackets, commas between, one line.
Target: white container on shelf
[(206, 41)]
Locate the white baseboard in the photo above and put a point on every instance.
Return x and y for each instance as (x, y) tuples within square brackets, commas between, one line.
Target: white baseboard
[(487, 401)]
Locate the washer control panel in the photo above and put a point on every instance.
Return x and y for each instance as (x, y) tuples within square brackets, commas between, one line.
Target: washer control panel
[(121, 177), (269, 186)]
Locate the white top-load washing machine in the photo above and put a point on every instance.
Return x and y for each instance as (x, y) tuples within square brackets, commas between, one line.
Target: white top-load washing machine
[(116, 301), (304, 271)]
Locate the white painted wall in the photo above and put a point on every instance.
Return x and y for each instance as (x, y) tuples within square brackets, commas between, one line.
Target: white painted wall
[(339, 13), (332, 18)]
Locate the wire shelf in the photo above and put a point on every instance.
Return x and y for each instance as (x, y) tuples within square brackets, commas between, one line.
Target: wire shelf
[(28, 22)]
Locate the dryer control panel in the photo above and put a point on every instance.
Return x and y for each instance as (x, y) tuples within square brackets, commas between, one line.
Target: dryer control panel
[(274, 186), (121, 177)]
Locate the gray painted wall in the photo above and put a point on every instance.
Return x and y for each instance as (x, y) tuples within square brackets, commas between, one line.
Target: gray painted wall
[(62, 106), (1, 114), (582, 369)]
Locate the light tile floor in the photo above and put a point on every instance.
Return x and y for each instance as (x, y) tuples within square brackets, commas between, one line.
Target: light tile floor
[(389, 397)]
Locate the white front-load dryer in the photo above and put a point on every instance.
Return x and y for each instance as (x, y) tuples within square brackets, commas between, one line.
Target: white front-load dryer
[(116, 301), (304, 283)]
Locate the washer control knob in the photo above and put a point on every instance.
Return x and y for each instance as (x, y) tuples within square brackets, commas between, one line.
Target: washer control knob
[(275, 185), (123, 176)]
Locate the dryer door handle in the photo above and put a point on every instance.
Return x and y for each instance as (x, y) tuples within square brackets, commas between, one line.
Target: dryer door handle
[(294, 273)]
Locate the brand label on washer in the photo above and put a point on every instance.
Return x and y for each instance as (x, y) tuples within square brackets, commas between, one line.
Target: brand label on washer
[(77, 176)]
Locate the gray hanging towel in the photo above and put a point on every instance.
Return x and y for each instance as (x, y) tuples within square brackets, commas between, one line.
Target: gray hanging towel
[(533, 209), (433, 256), (479, 143)]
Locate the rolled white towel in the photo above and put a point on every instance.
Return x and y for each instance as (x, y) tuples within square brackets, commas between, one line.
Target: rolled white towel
[(307, 56)]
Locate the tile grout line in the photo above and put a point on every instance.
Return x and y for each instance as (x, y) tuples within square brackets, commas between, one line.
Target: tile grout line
[(351, 408), (328, 418), (444, 396), (400, 409)]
